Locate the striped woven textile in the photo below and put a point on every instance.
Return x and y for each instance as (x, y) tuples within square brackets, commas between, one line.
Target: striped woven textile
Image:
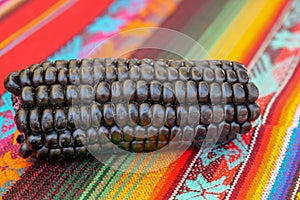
[(264, 35)]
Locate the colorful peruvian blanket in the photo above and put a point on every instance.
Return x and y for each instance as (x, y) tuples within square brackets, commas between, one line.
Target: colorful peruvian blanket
[(262, 34)]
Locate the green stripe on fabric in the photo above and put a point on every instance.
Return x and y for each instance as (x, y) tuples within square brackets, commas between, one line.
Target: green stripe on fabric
[(131, 174), (106, 179), (218, 26), (78, 184), (117, 176), (142, 176), (65, 174), (85, 176), (99, 176)]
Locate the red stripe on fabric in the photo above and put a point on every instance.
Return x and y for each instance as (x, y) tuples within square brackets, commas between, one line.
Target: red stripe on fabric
[(263, 138), (51, 37), (22, 16), (264, 33), (177, 174)]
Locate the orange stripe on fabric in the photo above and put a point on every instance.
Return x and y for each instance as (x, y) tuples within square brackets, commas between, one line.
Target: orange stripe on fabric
[(159, 192), (37, 20), (277, 113)]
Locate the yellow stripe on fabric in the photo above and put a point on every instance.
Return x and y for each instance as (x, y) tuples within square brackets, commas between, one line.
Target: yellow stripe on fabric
[(123, 186), (153, 180), (150, 180), (137, 165), (255, 14), (274, 146), (32, 23), (110, 178)]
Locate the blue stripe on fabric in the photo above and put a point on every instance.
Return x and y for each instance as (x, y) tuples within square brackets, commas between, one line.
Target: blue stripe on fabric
[(288, 167)]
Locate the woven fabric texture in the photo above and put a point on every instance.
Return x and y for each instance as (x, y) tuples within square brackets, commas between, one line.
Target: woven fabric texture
[(264, 35)]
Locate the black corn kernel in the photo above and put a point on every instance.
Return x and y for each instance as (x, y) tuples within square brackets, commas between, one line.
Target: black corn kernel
[(252, 92), (129, 90), (208, 75), (158, 115), (226, 93), (42, 96), (42, 154), (24, 77), (72, 96), (145, 114), (60, 120), (137, 146), (239, 96), (21, 120), (50, 75), (108, 114), (86, 94), (231, 76), (47, 120), (116, 92), (27, 96), (54, 155), (68, 153), (24, 151), (142, 90), (96, 115), (133, 115), (34, 118), (57, 95), (102, 92), (73, 117), (168, 93), (206, 114), (170, 117), (92, 136), (65, 139), (155, 91), (191, 92), (85, 117), (179, 87), (34, 142), (11, 84), (215, 93), (254, 111), (116, 135), (242, 114), (37, 77), (79, 137), (86, 72), (203, 92), (51, 140)]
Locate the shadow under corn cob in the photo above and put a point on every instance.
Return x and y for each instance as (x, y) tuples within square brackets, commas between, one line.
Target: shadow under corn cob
[(64, 108)]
